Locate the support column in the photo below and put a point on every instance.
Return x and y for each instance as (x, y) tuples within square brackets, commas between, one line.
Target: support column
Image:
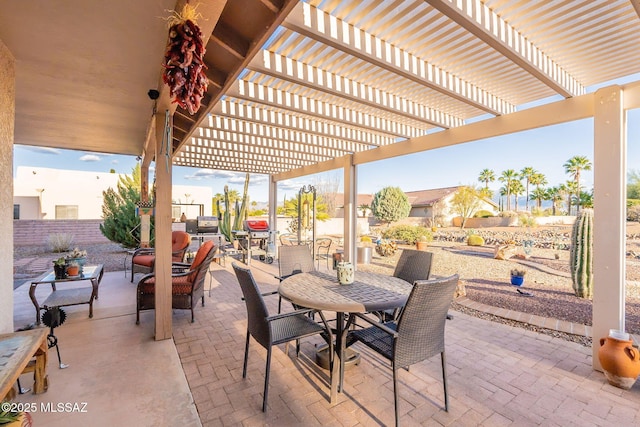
[(273, 204), (7, 123), (163, 228), (145, 220), (350, 214), (610, 166)]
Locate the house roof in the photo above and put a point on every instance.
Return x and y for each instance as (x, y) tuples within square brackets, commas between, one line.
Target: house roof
[(429, 197), (424, 198), (294, 84)]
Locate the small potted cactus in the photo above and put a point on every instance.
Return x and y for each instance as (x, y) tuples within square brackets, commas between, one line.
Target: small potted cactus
[(422, 243)]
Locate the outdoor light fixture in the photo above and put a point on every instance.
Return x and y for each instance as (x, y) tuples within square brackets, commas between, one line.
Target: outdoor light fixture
[(153, 94)]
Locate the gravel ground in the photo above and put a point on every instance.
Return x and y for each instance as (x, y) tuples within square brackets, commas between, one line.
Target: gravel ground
[(486, 279)]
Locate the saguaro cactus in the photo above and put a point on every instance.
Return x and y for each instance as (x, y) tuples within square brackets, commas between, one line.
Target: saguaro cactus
[(225, 223), (581, 257)]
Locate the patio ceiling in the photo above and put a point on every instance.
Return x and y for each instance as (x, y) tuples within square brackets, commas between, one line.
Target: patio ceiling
[(293, 84)]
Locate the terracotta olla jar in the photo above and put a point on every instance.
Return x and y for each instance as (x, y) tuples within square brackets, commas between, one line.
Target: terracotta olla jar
[(620, 361)]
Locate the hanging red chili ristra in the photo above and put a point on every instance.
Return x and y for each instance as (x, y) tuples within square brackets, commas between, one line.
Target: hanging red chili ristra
[(184, 61)]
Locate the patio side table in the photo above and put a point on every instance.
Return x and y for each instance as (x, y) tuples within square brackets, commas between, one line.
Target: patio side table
[(66, 297)]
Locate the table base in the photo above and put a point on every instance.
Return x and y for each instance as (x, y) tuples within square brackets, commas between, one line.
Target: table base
[(351, 358)]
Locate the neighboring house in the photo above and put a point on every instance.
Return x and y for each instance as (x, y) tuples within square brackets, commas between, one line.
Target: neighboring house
[(44, 193), (436, 204), (362, 199), (429, 204)]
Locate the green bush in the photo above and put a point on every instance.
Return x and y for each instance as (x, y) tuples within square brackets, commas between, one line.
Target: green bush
[(483, 214), (407, 233), (475, 240)]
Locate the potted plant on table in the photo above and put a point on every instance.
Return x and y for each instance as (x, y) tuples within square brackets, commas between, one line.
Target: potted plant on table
[(60, 268), (517, 276), (73, 269), (77, 256)]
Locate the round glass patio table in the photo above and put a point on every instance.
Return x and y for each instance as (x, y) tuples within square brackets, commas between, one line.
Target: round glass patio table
[(321, 291)]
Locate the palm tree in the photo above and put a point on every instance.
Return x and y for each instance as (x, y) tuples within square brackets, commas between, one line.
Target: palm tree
[(586, 199), (564, 192), (573, 190), (539, 194), (538, 179), (517, 189), (527, 174), (555, 196), (508, 177), (503, 192), (487, 176), (573, 167)]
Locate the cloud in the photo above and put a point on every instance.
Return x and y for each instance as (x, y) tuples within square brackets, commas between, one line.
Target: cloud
[(89, 158), (201, 174), (288, 184), (42, 150), (257, 180), (114, 162)]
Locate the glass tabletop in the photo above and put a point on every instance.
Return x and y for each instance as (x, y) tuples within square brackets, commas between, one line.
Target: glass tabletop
[(89, 272)]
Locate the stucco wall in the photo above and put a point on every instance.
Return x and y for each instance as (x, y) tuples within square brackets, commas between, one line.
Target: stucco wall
[(7, 120)]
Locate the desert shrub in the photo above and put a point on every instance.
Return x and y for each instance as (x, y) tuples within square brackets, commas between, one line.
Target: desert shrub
[(408, 233), (527, 221), (483, 214), (60, 242), (390, 204), (541, 212), (633, 213), (508, 214), (475, 240)]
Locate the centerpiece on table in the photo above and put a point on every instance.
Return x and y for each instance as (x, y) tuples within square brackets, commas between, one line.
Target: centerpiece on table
[(77, 256)]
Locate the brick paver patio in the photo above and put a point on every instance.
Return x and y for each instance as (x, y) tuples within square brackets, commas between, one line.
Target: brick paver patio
[(498, 375)]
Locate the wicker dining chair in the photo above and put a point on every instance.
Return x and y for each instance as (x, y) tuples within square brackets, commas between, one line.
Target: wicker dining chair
[(323, 246), (292, 260), (417, 335), (278, 329), (412, 265)]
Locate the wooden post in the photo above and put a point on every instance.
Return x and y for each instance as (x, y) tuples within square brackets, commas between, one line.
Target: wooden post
[(163, 227)]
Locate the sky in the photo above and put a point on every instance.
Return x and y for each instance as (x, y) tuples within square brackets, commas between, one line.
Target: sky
[(546, 150)]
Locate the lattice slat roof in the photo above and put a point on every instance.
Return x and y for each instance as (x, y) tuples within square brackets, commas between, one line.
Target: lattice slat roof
[(341, 77)]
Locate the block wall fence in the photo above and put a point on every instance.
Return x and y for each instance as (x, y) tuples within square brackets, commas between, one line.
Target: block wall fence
[(36, 232)]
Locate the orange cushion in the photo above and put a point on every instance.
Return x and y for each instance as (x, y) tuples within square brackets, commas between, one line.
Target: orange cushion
[(180, 285), (146, 260), (200, 256)]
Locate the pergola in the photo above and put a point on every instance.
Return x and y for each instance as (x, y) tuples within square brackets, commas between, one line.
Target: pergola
[(301, 87)]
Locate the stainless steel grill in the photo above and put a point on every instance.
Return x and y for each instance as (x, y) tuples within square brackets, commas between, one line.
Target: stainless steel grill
[(207, 224), (258, 229)]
